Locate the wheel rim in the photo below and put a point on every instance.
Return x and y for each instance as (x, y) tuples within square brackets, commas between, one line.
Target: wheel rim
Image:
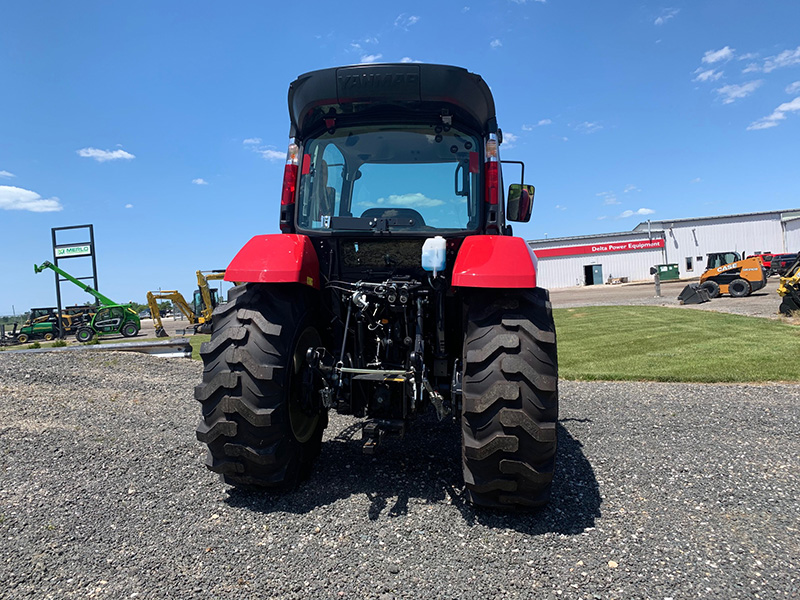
[(303, 424), (48, 337), (22, 338)]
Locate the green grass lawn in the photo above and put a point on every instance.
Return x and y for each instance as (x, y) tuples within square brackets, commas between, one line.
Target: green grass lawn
[(649, 343)]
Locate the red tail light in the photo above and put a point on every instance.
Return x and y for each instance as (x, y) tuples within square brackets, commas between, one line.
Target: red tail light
[(289, 176), (491, 191)]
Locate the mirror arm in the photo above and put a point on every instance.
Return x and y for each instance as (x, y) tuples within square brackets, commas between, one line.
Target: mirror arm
[(522, 166)]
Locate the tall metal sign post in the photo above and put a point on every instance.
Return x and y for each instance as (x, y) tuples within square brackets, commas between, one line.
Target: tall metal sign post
[(73, 250)]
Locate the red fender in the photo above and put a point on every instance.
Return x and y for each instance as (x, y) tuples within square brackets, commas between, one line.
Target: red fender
[(276, 258), (495, 261)]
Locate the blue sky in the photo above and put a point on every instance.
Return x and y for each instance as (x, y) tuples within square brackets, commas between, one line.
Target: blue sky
[(165, 123)]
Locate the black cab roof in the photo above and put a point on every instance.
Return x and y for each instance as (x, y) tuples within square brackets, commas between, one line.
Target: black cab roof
[(402, 89)]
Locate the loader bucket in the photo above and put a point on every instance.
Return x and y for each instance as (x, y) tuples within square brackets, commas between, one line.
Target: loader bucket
[(788, 306), (161, 333), (693, 294)]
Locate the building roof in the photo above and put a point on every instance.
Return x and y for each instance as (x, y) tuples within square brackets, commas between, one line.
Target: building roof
[(594, 236), (788, 213), (657, 226)]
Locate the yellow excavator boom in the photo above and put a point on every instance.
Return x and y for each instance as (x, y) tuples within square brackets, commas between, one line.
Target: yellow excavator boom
[(177, 300)]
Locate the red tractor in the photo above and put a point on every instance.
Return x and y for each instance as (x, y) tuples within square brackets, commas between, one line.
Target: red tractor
[(395, 287)]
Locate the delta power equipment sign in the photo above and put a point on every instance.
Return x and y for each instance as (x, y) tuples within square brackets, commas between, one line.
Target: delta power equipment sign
[(599, 248)]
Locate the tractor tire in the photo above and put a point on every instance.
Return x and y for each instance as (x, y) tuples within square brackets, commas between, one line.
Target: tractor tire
[(712, 287), (22, 338), (48, 337), (509, 399), (129, 329), (84, 334), (262, 425), (739, 288)]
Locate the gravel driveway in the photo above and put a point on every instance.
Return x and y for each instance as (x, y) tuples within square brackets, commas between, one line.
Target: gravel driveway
[(762, 303), (662, 491)]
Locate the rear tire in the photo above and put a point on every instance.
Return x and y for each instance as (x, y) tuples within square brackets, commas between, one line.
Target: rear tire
[(510, 399), (712, 287), (22, 338), (739, 288), (48, 337), (263, 427)]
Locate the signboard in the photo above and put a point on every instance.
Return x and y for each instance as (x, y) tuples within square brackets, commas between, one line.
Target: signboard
[(68, 251), (599, 248)]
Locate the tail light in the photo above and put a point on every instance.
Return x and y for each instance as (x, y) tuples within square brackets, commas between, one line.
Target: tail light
[(290, 175), (491, 186)]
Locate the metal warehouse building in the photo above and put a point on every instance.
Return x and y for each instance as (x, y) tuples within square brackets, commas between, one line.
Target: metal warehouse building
[(596, 259)]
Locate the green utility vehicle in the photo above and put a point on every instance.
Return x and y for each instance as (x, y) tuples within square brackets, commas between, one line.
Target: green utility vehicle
[(110, 319), (43, 322)]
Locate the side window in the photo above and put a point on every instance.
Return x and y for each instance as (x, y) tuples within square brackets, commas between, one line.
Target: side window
[(689, 264), (321, 185)]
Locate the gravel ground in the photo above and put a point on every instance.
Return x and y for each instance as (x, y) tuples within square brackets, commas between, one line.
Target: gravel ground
[(662, 491), (763, 303)]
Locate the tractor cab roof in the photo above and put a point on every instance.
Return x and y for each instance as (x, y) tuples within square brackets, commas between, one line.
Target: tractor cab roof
[(395, 91)]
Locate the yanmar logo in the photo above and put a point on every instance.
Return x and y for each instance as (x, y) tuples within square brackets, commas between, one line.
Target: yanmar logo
[(379, 81), (724, 268)]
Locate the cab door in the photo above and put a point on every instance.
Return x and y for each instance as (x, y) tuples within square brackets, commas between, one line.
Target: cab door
[(108, 319)]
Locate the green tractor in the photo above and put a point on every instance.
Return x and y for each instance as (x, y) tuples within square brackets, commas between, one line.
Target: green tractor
[(110, 318), (43, 322)]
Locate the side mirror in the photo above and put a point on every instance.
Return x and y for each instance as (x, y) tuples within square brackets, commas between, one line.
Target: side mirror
[(520, 202)]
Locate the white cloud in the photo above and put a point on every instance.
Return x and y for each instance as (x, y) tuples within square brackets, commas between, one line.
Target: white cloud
[(787, 58), (790, 89), (270, 154), (407, 59), (708, 75), (6, 174), (588, 127), (199, 181), (733, 92), (495, 43), (405, 21), (541, 123), (15, 198), (254, 145), (779, 114), (371, 58), (608, 197), (559, 207), (525, 1), (696, 180), (631, 188), (414, 199), (509, 139), (629, 213), (666, 15), (105, 155), (713, 56), (129, 206)]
